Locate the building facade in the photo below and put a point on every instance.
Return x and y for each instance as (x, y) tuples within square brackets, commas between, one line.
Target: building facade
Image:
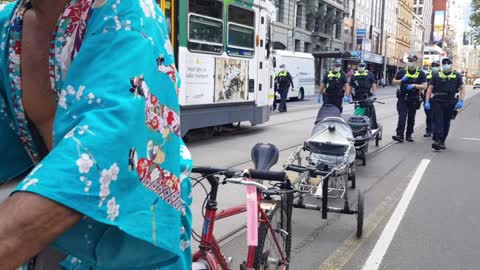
[(424, 10), (389, 38), (313, 26), (309, 25), (404, 30)]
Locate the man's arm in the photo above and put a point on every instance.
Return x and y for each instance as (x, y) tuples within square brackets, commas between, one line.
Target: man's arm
[(323, 85), (433, 83), (462, 86), (423, 82), (398, 78), (28, 224), (422, 86), (291, 79), (373, 81), (322, 88)]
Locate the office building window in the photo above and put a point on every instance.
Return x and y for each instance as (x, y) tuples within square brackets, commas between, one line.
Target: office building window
[(281, 11), (299, 18), (420, 11), (307, 47), (297, 45)]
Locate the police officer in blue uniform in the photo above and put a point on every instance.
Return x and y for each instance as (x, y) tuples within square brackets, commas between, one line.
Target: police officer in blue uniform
[(283, 80), (333, 86), (412, 81), (428, 113), (365, 85), (441, 99)]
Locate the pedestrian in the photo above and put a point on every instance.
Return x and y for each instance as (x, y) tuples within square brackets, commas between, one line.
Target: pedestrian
[(364, 86), (441, 99), (428, 113), (411, 80), (94, 134), (283, 81), (333, 86)]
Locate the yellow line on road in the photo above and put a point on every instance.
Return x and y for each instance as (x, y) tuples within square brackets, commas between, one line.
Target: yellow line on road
[(340, 257)]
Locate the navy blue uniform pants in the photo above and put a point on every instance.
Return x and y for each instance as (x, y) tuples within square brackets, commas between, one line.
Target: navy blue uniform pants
[(337, 101), (407, 110), (283, 100), (442, 111), (429, 121)]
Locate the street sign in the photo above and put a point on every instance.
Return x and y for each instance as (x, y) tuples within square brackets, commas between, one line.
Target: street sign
[(361, 32)]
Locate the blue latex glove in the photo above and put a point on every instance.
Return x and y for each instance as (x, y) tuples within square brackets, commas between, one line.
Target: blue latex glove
[(427, 105), (459, 105), (404, 79), (347, 99), (410, 87)]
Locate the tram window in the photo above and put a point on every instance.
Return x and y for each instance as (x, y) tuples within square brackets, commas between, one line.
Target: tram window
[(241, 32), (205, 26), (210, 8)]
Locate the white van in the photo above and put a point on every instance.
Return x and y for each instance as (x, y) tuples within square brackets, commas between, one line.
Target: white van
[(301, 67)]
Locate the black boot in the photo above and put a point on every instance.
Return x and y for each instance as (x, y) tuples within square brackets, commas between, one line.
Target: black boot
[(428, 134), (437, 145), (398, 138), (409, 138), (443, 146)]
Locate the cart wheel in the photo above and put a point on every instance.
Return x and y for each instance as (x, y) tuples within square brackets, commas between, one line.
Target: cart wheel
[(325, 197), (364, 159), (377, 140), (361, 198), (353, 178)]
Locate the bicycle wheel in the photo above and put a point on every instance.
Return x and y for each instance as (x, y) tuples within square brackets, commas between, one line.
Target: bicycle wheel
[(267, 256)]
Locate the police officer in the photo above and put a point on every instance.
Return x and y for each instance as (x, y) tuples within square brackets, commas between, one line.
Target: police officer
[(412, 81), (282, 82), (334, 85), (428, 113), (365, 85), (442, 90)]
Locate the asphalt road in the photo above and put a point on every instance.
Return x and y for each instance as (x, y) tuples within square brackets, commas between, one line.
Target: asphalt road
[(330, 244), (439, 229)]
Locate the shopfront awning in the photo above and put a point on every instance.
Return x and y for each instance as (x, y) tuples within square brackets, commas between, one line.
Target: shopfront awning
[(331, 54)]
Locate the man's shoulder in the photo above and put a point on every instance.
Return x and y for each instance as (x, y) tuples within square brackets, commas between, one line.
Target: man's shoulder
[(401, 71)]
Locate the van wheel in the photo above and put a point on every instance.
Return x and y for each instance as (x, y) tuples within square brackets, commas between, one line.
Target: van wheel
[(301, 94)]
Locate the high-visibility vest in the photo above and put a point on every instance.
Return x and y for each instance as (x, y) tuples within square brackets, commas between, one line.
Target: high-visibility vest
[(334, 87), (282, 74), (414, 75), (430, 75), (364, 73), (451, 76)]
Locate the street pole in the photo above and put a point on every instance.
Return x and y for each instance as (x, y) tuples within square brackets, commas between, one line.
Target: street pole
[(385, 61)]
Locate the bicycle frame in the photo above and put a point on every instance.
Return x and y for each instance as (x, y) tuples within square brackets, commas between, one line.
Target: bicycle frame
[(209, 248)]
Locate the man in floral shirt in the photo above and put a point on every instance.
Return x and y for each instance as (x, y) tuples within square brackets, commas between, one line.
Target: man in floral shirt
[(89, 123)]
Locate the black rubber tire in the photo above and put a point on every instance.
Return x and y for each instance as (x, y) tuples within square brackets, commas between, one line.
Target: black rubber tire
[(364, 159), (353, 178), (283, 211), (325, 198), (360, 213), (377, 140), (301, 96)]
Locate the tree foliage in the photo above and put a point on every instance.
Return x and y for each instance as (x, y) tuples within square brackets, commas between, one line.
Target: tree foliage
[(475, 19)]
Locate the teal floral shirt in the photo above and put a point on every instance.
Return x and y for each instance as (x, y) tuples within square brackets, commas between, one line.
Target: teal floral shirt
[(118, 157)]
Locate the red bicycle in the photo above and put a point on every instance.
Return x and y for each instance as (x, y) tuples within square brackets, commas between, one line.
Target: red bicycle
[(273, 213)]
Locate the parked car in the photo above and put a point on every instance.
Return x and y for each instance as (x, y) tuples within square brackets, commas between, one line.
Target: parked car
[(476, 83)]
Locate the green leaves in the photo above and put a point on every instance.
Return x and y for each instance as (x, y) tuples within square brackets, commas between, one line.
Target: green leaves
[(475, 19)]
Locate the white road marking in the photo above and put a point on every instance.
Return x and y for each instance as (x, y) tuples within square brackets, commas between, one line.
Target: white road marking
[(374, 260), (471, 139)]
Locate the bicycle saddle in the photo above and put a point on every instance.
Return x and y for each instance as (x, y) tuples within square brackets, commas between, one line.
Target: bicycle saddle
[(264, 156)]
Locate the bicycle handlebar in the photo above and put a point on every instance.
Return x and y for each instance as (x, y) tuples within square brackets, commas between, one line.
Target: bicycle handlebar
[(252, 173), (241, 181)]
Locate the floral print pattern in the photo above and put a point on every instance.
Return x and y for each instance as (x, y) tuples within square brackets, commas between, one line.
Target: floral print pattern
[(117, 154)]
